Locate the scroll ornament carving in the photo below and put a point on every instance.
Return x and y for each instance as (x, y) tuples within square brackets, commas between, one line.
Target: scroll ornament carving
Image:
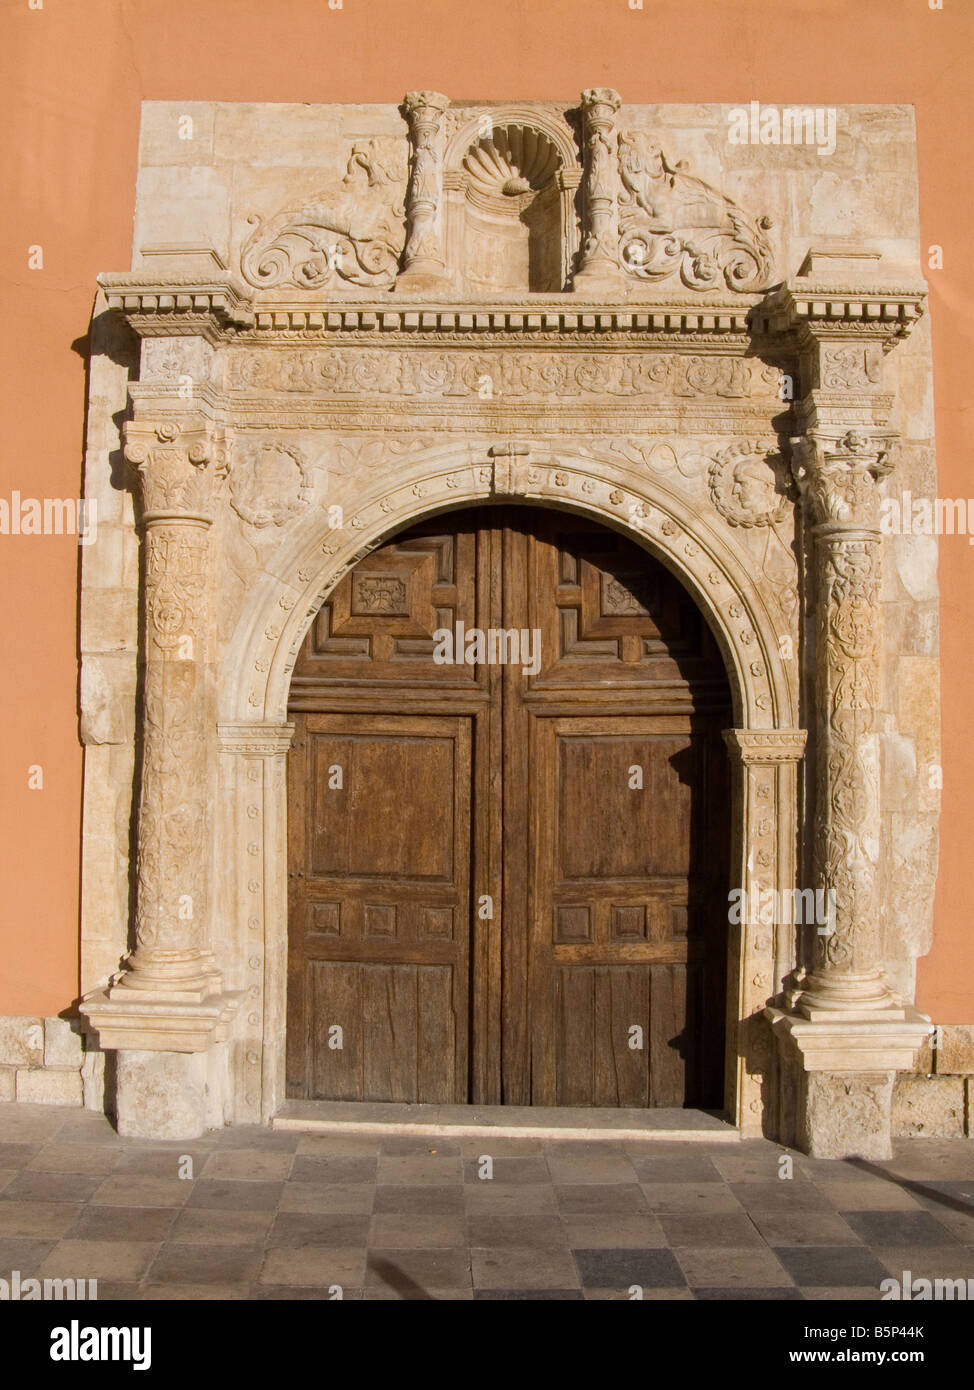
[(672, 224), (434, 373), (356, 237), (838, 479)]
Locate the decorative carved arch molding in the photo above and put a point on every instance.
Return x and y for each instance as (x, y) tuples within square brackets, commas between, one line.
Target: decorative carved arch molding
[(766, 747)]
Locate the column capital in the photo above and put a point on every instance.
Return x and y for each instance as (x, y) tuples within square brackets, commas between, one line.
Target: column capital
[(766, 747), (254, 740), (420, 106), (177, 462), (837, 474), (600, 103)]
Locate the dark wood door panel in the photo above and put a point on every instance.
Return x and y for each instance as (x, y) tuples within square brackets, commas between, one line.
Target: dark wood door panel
[(379, 935), (482, 901), (399, 1032), (628, 909)]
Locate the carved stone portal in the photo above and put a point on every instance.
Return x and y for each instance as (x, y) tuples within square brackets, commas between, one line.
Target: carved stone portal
[(448, 305)]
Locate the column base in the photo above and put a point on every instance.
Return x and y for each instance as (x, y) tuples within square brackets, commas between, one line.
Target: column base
[(129, 1019), (842, 1067), (424, 279), (601, 283)]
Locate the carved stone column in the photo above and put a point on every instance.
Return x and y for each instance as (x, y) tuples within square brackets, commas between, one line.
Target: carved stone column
[(168, 998), (599, 269), (422, 257), (844, 1033), (837, 480)]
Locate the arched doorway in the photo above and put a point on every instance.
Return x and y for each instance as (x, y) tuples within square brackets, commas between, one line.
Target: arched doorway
[(508, 851)]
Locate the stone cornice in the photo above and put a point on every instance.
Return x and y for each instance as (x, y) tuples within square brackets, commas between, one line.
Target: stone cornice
[(220, 307), (886, 311), (177, 305)]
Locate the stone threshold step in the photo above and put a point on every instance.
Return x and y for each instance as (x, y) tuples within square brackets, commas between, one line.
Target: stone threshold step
[(505, 1121)]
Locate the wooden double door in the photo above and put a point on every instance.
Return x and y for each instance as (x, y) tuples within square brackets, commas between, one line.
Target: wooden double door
[(508, 870)]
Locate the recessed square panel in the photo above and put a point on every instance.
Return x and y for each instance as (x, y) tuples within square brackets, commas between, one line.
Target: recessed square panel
[(573, 924), (380, 919)]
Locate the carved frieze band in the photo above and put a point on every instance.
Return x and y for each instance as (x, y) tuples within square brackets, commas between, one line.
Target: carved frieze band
[(507, 374)]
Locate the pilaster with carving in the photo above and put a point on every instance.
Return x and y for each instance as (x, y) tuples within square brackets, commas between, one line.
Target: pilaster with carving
[(845, 1033), (168, 996), (422, 257), (599, 258), (837, 479)]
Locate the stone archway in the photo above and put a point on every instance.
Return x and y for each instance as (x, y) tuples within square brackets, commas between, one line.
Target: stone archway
[(765, 745)]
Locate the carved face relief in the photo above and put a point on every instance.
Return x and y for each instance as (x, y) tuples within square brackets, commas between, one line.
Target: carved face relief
[(744, 486)]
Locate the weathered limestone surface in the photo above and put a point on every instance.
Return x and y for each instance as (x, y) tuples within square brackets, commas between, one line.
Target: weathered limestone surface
[(343, 318)]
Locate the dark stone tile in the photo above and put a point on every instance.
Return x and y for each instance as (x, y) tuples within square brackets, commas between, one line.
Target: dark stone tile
[(235, 1195), (528, 1295), (833, 1266), (899, 1228), (17, 1155), (122, 1223), (780, 1195), (296, 1228), (786, 1295), (692, 1168), (23, 1253), (507, 1170), (206, 1264), (943, 1196), (31, 1186), (445, 1201), (587, 1198), (619, 1269), (337, 1170)]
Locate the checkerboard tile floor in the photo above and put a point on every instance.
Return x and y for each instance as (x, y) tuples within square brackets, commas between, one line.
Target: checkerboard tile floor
[(283, 1215)]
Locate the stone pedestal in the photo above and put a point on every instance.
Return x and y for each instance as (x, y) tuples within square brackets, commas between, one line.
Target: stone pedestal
[(167, 1007)]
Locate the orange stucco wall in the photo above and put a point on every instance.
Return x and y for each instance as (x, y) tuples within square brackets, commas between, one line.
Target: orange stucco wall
[(74, 73)]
